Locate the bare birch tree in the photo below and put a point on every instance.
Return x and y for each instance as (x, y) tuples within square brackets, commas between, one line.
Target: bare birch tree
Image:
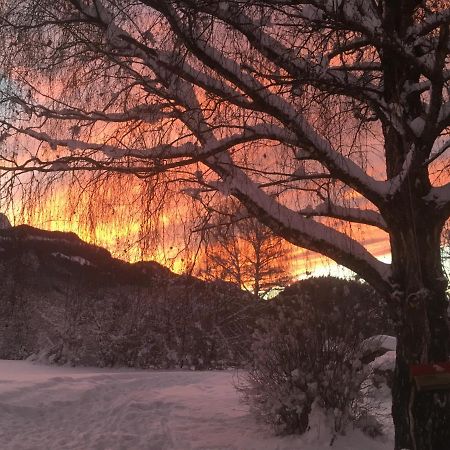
[(240, 249), (345, 103)]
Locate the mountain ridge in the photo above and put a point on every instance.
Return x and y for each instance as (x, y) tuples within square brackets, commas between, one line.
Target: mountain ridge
[(69, 248), (75, 303)]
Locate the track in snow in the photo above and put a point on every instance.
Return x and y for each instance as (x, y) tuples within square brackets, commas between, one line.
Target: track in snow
[(47, 407)]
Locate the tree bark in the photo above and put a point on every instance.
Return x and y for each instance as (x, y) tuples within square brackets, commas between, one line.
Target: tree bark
[(419, 305), (418, 298)]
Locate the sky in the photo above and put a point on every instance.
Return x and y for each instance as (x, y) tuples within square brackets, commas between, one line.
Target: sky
[(114, 225), (119, 228)]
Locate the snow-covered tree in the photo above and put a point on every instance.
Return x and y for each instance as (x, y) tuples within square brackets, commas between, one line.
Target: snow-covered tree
[(319, 116)]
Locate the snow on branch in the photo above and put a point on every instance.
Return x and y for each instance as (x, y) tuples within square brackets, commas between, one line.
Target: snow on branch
[(306, 232), (164, 63), (440, 198), (300, 230), (444, 116), (357, 15), (317, 74), (355, 215), (346, 47), (111, 151), (424, 85), (363, 17), (438, 152), (396, 183), (429, 23), (339, 166), (83, 163), (144, 113), (159, 152)]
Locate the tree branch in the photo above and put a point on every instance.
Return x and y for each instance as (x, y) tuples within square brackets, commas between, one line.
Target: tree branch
[(355, 215)]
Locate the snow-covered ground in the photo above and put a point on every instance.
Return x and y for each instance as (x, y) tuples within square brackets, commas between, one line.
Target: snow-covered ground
[(47, 407)]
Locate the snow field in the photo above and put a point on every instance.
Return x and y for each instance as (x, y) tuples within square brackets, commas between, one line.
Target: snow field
[(48, 407)]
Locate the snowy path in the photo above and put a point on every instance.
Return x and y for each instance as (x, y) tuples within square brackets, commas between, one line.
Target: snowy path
[(46, 408)]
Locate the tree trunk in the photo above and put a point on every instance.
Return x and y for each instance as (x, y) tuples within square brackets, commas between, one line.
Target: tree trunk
[(422, 419)]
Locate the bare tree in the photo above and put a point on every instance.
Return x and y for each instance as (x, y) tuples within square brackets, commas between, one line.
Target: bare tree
[(240, 249), (319, 116)]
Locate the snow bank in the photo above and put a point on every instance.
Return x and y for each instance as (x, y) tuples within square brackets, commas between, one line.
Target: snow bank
[(78, 259), (46, 407), (384, 362), (379, 342)]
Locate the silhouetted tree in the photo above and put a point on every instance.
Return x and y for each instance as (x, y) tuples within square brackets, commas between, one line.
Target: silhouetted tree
[(240, 249)]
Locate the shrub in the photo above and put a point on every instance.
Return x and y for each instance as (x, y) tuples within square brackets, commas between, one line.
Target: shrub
[(307, 349), (194, 325)]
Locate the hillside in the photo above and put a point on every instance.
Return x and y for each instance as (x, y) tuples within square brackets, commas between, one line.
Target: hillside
[(69, 301)]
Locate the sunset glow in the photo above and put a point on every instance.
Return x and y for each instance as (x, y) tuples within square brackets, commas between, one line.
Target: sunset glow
[(119, 230)]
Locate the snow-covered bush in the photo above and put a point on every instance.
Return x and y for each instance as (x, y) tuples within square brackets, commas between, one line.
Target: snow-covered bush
[(16, 339), (307, 349), (192, 325)]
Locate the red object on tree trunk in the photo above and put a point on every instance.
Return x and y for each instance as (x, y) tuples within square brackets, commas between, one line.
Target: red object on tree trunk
[(431, 377)]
